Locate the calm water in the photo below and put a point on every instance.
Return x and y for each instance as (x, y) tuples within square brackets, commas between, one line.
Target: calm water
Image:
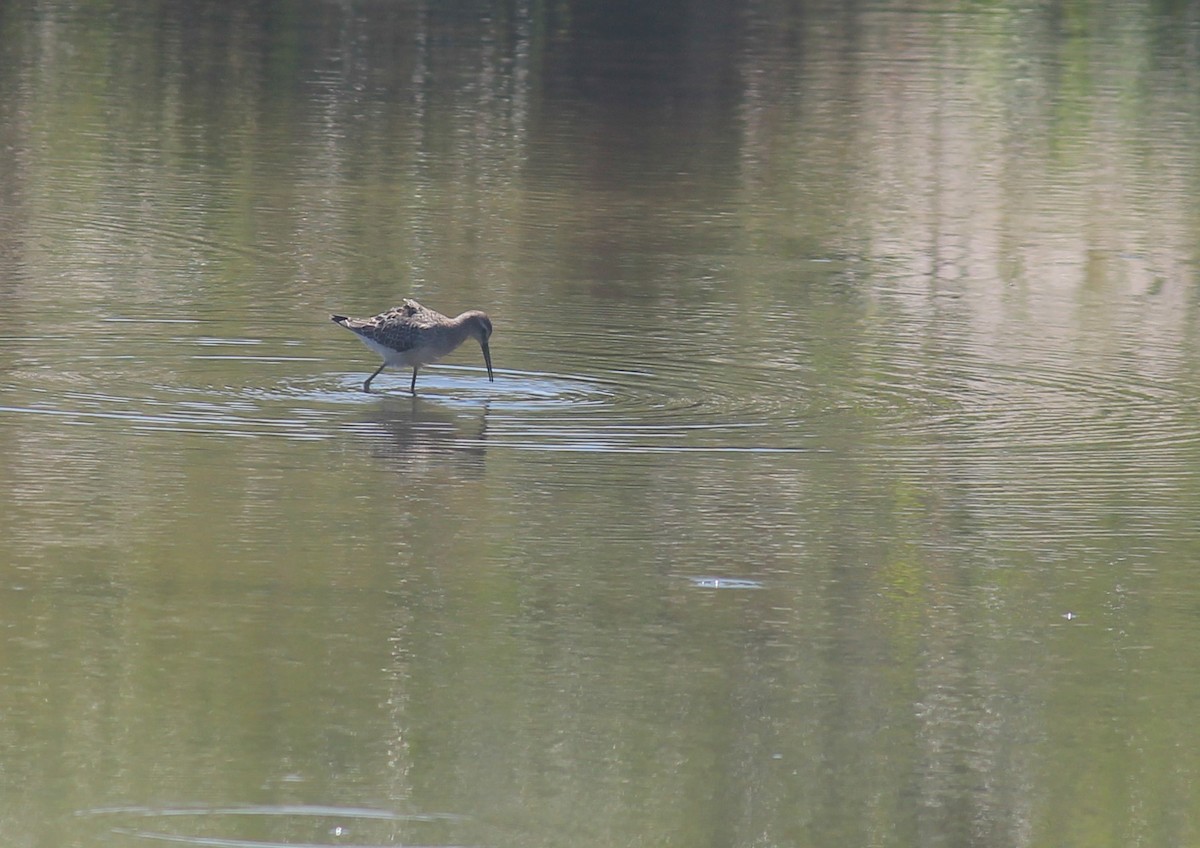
[(840, 484)]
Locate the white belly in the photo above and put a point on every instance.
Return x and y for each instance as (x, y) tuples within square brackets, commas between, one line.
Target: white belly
[(402, 359)]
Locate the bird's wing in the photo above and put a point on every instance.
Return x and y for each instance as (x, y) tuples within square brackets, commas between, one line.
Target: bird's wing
[(417, 315), (400, 328)]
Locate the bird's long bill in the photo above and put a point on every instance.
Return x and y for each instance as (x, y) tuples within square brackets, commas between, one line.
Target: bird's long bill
[(487, 357)]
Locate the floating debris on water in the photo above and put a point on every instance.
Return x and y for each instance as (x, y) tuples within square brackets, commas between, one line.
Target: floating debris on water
[(725, 583)]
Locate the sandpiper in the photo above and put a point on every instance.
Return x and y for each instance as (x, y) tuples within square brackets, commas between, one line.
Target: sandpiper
[(410, 336)]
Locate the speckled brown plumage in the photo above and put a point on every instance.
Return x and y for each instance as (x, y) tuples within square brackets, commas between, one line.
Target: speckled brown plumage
[(410, 336)]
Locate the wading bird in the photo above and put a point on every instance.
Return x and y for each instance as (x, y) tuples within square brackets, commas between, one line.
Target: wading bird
[(409, 336)]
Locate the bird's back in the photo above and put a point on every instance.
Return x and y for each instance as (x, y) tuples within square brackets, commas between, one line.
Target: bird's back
[(408, 334)]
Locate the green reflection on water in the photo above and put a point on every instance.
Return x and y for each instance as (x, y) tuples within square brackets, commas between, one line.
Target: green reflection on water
[(886, 312)]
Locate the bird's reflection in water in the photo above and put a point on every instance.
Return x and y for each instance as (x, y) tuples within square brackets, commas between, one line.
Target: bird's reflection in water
[(413, 432)]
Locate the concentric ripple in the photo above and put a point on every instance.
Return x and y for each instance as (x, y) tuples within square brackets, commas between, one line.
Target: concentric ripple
[(980, 405)]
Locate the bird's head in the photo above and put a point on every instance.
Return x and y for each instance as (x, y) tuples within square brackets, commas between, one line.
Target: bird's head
[(480, 328)]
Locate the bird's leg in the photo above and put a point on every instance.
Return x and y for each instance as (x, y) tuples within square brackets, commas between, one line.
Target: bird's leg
[(413, 386), (367, 384)]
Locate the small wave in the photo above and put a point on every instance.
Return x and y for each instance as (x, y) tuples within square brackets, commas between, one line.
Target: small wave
[(382, 827)]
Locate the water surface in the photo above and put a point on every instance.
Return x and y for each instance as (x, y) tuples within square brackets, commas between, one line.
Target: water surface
[(840, 483)]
